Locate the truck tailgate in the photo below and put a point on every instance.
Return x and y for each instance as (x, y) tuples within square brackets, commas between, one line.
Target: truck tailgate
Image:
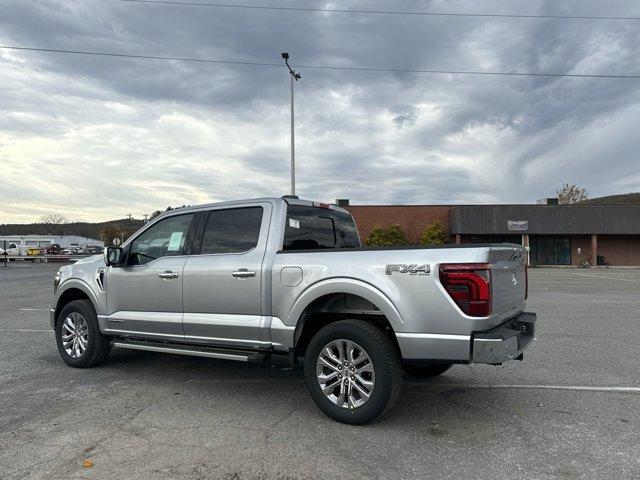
[(508, 280)]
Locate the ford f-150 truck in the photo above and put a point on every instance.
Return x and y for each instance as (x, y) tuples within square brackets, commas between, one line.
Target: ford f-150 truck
[(248, 279)]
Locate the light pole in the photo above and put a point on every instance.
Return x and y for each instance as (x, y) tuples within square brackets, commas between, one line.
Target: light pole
[(294, 76)]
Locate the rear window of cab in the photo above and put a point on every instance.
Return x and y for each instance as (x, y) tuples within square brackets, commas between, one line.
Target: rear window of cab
[(315, 228)]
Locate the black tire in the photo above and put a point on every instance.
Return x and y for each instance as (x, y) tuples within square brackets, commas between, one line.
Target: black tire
[(427, 371), (386, 364), (97, 346)]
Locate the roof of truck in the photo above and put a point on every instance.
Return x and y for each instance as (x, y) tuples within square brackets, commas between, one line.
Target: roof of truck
[(287, 198)]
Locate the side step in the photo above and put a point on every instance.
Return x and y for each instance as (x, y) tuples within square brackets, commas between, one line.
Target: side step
[(193, 350)]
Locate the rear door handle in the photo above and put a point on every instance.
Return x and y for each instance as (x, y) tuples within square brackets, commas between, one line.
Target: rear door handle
[(243, 273), (168, 275)]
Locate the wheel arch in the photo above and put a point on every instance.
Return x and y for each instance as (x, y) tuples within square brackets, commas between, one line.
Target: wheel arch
[(339, 299), (74, 290)]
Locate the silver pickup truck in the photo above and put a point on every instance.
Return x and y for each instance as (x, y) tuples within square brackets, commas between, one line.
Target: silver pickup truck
[(249, 279)]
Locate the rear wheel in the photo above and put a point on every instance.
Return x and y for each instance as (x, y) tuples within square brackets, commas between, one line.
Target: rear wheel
[(431, 370), (352, 371), (80, 342)]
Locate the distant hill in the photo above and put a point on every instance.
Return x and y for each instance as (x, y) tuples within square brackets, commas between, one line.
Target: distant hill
[(85, 229), (124, 227), (624, 199)]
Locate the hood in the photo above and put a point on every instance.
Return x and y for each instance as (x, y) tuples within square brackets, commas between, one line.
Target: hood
[(97, 260)]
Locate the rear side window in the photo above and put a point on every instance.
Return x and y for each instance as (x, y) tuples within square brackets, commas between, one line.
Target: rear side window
[(310, 228), (233, 230)]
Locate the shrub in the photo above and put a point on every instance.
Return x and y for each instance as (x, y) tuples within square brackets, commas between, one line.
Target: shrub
[(434, 234), (389, 237)]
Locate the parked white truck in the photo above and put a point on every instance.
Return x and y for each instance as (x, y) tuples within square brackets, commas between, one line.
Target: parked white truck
[(249, 279), (12, 249)]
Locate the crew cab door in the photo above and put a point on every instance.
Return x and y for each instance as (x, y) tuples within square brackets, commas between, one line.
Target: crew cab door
[(223, 277), (144, 296)]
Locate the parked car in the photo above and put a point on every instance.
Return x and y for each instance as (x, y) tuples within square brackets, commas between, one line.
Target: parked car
[(67, 251), (34, 251), (78, 250), (249, 279), (12, 249), (94, 249), (52, 249)]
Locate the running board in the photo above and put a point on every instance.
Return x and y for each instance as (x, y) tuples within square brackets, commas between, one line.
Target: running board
[(195, 351)]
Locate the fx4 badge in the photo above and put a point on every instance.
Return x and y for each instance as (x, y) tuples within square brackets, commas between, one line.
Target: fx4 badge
[(410, 269)]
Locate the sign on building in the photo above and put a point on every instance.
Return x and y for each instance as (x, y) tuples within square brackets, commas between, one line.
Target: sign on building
[(518, 225)]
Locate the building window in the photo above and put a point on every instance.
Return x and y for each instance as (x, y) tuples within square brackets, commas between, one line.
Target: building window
[(550, 250)]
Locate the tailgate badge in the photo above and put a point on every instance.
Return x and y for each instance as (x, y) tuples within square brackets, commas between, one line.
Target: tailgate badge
[(514, 279)]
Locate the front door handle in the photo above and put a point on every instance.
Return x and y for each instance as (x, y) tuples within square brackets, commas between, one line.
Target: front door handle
[(168, 275), (243, 273)]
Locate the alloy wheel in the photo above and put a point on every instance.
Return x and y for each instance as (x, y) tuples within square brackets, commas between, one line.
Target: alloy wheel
[(75, 335), (345, 373)]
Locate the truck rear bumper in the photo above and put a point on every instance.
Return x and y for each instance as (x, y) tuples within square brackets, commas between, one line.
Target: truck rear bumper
[(504, 342), (427, 348)]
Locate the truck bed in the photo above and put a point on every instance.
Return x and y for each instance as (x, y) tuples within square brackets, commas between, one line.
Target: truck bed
[(422, 303)]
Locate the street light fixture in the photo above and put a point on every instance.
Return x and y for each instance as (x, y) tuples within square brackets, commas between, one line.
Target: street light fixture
[(294, 76)]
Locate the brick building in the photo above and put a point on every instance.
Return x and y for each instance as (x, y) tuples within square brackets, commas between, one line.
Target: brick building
[(555, 234)]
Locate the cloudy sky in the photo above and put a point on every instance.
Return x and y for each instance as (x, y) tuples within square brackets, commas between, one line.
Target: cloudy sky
[(97, 137)]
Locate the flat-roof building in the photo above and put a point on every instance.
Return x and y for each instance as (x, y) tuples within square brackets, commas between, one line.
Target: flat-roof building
[(65, 241), (555, 234)]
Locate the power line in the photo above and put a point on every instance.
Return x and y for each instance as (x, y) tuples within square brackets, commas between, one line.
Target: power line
[(146, 57), (321, 67), (377, 12), (468, 72)]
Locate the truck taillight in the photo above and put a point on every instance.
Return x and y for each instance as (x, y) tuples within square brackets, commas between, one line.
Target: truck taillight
[(469, 286)]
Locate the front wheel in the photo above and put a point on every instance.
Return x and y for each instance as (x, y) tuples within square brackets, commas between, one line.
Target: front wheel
[(80, 342), (352, 371)]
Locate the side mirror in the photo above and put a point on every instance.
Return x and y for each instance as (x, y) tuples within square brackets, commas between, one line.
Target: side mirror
[(112, 256)]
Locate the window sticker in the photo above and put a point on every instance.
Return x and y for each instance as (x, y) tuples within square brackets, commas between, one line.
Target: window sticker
[(174, 242), (293, 223)]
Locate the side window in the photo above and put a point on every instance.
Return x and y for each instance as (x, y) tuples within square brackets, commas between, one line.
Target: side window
[(167, 237), (233, 230)]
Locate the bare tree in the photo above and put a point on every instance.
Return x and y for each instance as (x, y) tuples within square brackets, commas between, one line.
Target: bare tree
[(569, 194), (54, 223)]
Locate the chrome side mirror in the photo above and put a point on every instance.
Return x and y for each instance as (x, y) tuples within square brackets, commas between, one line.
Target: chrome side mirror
[(112, 256)]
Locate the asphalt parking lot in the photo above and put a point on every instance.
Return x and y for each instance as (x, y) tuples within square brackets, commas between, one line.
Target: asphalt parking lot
[(570, 410)]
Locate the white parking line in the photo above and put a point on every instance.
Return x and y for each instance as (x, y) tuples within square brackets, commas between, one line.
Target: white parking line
[(610, 278), (34, 309), (25, 330), (536, 387)]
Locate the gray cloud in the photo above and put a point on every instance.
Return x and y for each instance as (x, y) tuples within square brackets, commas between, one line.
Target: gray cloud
[(94, 137)]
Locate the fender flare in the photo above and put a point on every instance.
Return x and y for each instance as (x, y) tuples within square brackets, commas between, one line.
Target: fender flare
[(75, 283), (343, 285)]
